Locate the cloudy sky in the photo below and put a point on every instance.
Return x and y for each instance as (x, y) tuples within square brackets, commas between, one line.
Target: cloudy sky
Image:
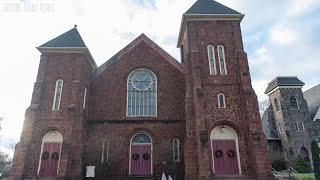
[(280, 37)]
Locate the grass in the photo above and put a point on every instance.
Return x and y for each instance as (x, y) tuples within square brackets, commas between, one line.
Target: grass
[(306, 176)]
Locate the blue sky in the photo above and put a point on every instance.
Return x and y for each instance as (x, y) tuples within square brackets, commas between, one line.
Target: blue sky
[(280, 37)]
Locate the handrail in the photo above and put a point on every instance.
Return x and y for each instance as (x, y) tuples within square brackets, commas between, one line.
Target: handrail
[(276, 174), (296, 174)]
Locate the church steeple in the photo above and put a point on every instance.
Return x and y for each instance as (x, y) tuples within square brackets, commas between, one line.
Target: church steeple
[(206, 10)]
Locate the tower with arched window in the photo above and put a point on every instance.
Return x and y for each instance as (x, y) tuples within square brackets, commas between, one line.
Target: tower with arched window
[(292, 125)]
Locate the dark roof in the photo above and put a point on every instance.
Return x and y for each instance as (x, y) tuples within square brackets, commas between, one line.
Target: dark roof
[(69, 39), (312, 96), (210, 7), (268, 125), (283, 81)]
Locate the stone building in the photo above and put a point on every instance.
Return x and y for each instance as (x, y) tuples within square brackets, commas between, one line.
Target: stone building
[(287, 123), (142, 112)]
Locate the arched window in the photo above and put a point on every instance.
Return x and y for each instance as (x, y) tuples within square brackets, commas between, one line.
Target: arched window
[(84, 97), (142, 93), (176, 150), (293, 103), (105, 151), (141, 139), (212, 60), (221, 101), (57, 95), (222, 60), (276, 103)]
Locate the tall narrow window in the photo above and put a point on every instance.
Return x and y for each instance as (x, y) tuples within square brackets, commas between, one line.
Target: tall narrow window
[(57, 95), (293, 103), (222, 60), (84, 97), (212, 60), (279, 128), (221, 101), (301, 126), (276, 103), (296, 125), (176, 150), (105, 151), (142, 93)]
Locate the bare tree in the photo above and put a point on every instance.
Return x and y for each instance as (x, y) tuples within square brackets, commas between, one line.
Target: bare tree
[(263, 105)]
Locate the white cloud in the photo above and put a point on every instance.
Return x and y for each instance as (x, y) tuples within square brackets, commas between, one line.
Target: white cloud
[(283, 35)]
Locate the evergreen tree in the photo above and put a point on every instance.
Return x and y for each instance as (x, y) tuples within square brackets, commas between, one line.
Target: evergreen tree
[(316, 159), (300, 165)]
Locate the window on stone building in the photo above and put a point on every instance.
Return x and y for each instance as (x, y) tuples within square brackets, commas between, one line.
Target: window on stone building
[(105, 151), (276, 103), (176, 150), (293, 103), (222, 60), (280, 129), (142, 93), (212, 60), (84, 97), (57, 95), (299, 126), (221, 101)]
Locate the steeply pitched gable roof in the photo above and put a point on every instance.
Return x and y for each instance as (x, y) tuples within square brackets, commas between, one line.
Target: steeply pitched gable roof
[(267, 121), (135, 42), (71, 38), (312, 96), (210, 7), (68, 42), (283, 81), (205, 10)]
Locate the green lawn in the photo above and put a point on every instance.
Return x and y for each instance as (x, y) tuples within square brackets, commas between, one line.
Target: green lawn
[(306, 176)]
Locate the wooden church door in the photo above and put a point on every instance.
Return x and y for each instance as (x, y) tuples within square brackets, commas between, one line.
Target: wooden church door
[(141, 155), (224, 154), (49, 159)]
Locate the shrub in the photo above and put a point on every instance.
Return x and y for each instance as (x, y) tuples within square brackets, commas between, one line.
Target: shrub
[(300, 165)]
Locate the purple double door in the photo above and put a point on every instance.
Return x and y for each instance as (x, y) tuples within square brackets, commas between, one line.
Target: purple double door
[(224, 154), (49, 159), (141, 160)]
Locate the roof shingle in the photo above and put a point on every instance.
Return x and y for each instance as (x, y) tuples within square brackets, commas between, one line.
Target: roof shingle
[(210, 7), (71, 38)]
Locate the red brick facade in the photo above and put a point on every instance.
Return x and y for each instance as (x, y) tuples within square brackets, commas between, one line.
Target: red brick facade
[(187, 109)]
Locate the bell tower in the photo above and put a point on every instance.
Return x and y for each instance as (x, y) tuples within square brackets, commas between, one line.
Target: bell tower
[(222, 118)]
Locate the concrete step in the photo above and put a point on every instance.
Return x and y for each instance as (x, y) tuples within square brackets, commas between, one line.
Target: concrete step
[(230, 177), (140, 178)]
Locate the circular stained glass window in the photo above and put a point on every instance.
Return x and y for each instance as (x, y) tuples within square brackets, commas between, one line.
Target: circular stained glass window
[(141, 81)]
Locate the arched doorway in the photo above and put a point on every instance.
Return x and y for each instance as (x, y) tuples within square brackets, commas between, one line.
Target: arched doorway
[(225, 151), (140, 158), (304, 153), (50, 154)]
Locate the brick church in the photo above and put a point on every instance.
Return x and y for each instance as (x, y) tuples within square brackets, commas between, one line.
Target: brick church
[(142, 112)]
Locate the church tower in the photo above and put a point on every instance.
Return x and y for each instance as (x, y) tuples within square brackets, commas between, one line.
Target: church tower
[(51, 142), (291, 117), (223, 129)]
